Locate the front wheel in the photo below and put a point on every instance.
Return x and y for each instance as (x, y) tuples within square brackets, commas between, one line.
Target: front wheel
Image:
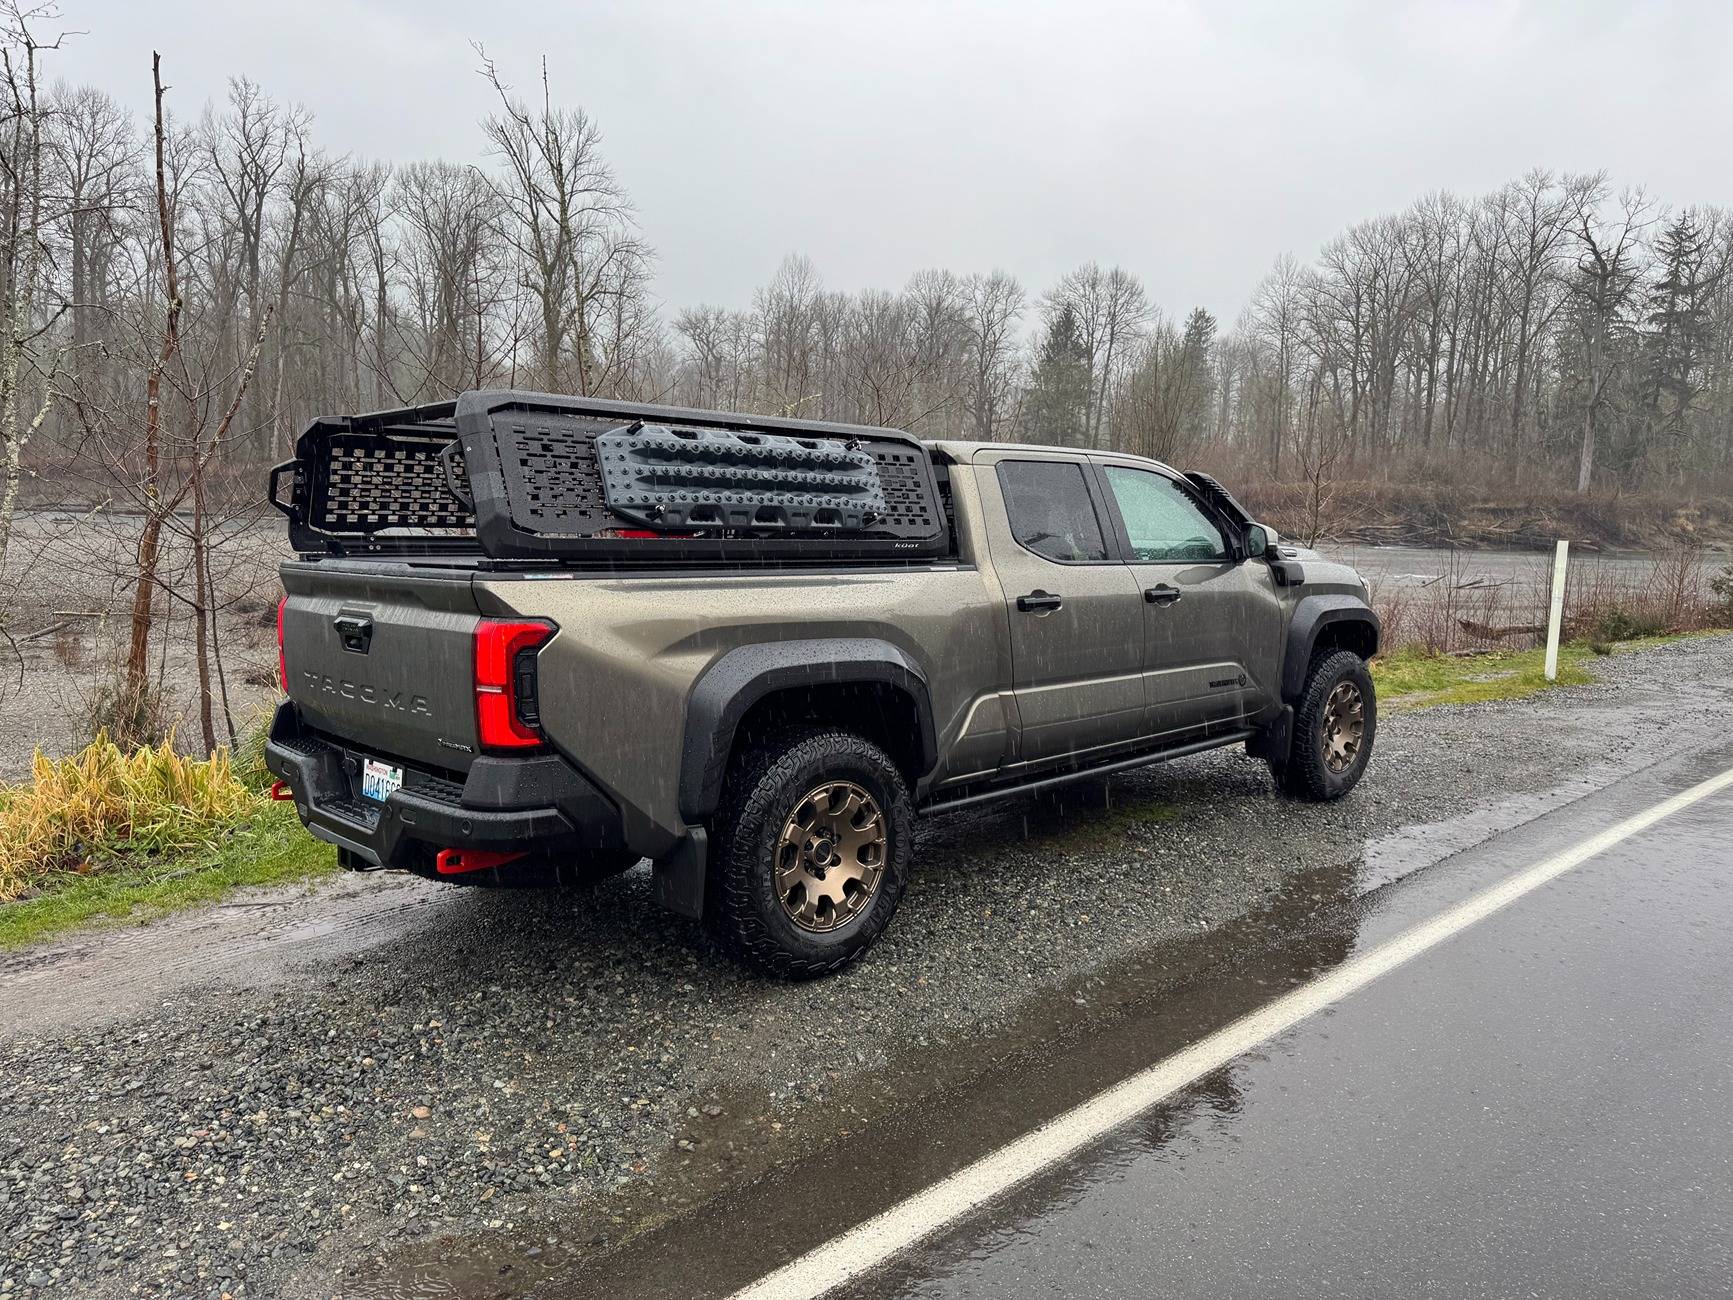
[(1335, 722), (812, 844)]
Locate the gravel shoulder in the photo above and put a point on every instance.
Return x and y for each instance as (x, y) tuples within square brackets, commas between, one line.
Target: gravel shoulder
[(270, 1097)]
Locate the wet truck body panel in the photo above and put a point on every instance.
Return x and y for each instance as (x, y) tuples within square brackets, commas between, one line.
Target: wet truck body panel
[(986, 618)]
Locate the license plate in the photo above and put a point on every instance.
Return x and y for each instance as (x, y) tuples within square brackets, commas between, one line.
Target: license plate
[(378, 779)]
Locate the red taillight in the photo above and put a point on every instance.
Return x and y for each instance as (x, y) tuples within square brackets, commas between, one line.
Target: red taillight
[(282, 658), (505, 683)]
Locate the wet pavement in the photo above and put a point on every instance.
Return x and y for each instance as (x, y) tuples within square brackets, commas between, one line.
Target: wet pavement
[(381, 1090), (1539, 1106)]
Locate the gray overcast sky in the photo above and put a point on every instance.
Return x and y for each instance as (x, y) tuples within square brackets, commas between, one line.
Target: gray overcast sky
[(1190, 141)]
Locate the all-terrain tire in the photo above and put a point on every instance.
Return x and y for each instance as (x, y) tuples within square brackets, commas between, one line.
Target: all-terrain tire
[(1308, 772), (537, 872), (766, 785)]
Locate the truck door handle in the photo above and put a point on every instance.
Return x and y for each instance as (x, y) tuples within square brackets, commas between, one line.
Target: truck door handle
[(1038, 602), (356, 632), (1162, 595)]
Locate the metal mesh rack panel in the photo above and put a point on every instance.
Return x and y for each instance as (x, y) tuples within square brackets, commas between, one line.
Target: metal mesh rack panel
[(910, 505), (552, 480), (527, 475), (375, 481)]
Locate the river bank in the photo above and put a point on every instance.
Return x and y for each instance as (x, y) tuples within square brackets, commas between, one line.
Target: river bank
[(66, 604), (1453, 515)]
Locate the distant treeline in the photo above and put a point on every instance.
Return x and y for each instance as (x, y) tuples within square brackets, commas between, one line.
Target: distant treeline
[(1554, 333)]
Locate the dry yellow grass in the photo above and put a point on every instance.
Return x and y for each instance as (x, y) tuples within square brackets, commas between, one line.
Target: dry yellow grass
[(100, 801)]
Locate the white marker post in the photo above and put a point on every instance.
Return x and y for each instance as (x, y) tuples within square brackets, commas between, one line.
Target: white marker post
[(1555, 619)]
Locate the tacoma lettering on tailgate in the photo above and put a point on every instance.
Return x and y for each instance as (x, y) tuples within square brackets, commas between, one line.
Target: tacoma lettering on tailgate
[(398, 701)]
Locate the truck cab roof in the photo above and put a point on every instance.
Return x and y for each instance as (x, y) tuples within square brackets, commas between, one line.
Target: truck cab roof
[(962, 452)]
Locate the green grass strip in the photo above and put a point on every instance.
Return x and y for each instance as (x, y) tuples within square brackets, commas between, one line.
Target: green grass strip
[(271, 849), (1414, 679)]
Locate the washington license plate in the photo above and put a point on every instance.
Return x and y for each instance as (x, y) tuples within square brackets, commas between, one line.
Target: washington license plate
[(378, 779)]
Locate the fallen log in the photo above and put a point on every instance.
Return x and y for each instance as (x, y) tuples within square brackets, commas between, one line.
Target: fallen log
[(1486, 632)]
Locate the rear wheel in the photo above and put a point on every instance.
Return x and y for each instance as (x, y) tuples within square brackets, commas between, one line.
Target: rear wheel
[(1335, 722), (811, 850)]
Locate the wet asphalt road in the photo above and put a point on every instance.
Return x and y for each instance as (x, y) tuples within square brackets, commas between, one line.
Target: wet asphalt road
[(1543, 1106), (384, 1090), (1540, 1106)]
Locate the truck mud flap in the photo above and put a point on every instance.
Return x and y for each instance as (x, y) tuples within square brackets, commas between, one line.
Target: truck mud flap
[(680, 879)]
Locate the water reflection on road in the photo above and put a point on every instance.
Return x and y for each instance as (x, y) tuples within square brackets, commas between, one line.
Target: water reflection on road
[(1054, 1057)]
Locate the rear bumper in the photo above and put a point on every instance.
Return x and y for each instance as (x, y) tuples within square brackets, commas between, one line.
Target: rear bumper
[(538, 801)]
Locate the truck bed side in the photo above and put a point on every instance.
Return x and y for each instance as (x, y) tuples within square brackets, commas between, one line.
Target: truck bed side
[(632, 652)]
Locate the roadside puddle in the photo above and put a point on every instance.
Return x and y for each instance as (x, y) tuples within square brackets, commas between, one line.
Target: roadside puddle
[(925, 1112), (753, 1192), (1401, 853)]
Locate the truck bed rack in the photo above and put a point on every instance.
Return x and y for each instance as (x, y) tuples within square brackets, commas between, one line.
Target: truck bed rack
[(515, 475)]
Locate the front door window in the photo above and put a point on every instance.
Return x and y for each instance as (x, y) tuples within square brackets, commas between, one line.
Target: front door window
[(1165, 525)]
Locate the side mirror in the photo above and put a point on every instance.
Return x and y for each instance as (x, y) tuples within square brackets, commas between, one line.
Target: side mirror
[(1261, 542)]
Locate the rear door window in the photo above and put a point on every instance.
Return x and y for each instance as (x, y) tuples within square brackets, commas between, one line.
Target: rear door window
[(1051, 511)]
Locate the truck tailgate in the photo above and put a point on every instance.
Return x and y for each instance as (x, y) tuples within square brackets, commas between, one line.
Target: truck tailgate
[(383, 658)]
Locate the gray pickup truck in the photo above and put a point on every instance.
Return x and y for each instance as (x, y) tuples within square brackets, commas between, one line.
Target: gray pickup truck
[(536, 639)]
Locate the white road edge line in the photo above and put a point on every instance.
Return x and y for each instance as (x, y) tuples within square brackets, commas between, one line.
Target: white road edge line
[(945, 1202)]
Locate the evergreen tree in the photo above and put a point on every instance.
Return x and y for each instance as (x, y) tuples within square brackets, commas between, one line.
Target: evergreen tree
[(1200, 332), (1058, 401), (1197, 375), (1679, 323)]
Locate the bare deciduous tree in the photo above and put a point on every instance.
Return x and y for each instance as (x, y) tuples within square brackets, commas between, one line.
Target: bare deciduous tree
[(566, 216), (1112, 310), (992, 311), (1603, 291), (23, 222)]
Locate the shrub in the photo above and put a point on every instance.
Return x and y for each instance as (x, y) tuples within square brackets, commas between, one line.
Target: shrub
[(1722, 585), (1609, 623), (133, 718), (100, 803), (249, 761)]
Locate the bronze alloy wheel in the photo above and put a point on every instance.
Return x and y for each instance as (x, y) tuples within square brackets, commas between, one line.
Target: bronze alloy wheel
[(830, 856), (1344, 726)]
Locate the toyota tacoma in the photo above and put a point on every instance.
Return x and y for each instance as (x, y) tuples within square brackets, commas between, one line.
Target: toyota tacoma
[(532, 639)]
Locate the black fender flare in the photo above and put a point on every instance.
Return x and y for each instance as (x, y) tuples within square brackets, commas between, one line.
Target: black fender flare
[(1311, 616), (728, 688)]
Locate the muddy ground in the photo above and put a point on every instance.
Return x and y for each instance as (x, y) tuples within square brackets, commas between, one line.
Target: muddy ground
[(65, 605), (386, 1088)]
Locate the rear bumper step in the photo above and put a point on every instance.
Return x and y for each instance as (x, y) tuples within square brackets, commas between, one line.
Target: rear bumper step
[(504, 805)]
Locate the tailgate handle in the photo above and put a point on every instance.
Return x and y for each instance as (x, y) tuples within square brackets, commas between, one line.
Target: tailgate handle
[(355, 631)]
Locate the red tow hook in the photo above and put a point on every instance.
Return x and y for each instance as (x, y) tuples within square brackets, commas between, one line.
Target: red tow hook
[(281, 792), (454, 862)]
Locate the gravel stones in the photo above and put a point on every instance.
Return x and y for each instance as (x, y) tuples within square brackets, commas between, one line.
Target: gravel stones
[(525, 1055)]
